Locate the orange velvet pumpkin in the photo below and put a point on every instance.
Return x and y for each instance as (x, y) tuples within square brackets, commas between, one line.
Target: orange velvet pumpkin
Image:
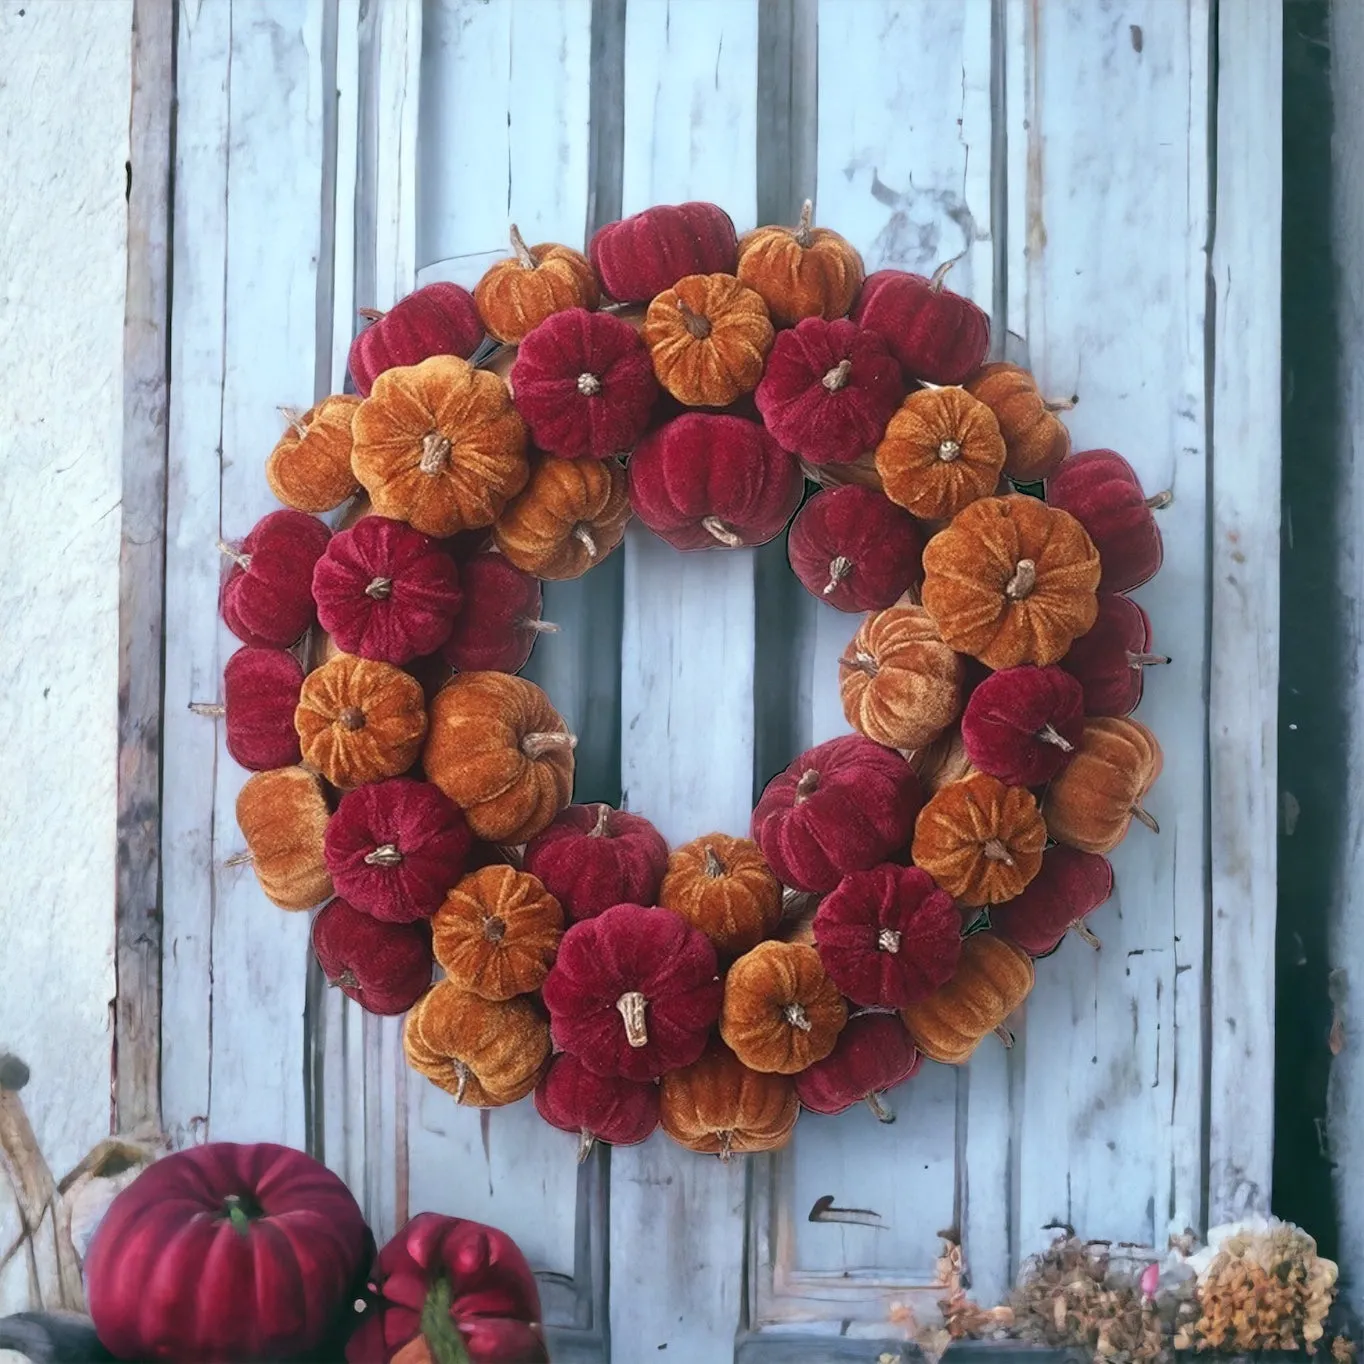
[(980, 840), (497, 932), (720, 1107), (900, 684), (283, 817), (1035, 438), (801, 271), (440, 446), (570, 516), (1012, 581), (360, 720), (708, 336), (781, 1011), (309, 468), (517, 294), (724, 887), (501, 752), (942, 761), (993, 978), (1092, 803)]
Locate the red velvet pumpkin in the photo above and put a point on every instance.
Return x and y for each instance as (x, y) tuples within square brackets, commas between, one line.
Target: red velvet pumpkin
[(888, 936), (639, 257), (260, 695), (633, 992), (845, 805), (596, 1108), (593, 857), (499, 622), (855, 549), (1071, 885), (1108, 660), (934, 334), (828, 390), (386, 591), (1100, 489), (384, 967), (447, 1291), (226, 1253), (584, 384), (268, 598), (874, 1053), (1022, 724), (705, 481), (394, 848), (439, 319)]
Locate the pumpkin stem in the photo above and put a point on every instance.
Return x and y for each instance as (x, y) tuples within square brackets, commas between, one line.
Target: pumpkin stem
[(697, 325), (1059, 404), (524, 257), (1083, 931), (385, 855), (582, 533), (347, 980), (589, 385), (586, 1141), (631, 1007), (494, 928), (839, 568), (370, 314), (1160, 500), (461, 1079), (888, 940), (940, 274), (796, 1016), (721, 532), (380, 589), (861, 662), (1145, 660), (1049, 734), (537, 743), (295, 419), (714, 867), (726, 1145), (997, 852), (243, 561), (1145, 817), (209, 708), (806, 786), (949, 450), (1004, 1035), (837, 377), (1023, 581), (537, 627), (239, 859), (879, 1107), (351, 718), (435, 453), (599, 830), (235, 1207), (802, 229)]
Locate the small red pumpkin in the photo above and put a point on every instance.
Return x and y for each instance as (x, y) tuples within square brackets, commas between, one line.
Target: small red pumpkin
[(934, 334), (438, 319), (384, 967), (596, 1108), (267, 598), (499, 620), (639, 257), (1071, 885), (633, 992), (1022, 724), (704, 481), (873, 1054), (1109, 659), (260, 694)]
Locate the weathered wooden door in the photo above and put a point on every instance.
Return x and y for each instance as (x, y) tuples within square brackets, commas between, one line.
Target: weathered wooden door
[(330, 155)]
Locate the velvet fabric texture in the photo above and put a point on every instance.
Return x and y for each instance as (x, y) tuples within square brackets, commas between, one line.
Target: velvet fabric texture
[(1023, 725), (704, 481), (384, 967), (260, 694), (592, 857), (222, 1253), (584, 383), (517, 294), (1070, 886), (802, 271), (717, 1106), (596, 1107), (639, 257), (724, 887), (1035, 438), (781, 1011), (934, 334), (842, 806), (1091, 805), (267, 598), (499, 622), (283, 818), (888, 936), (438, 319), (633, 992), (873, 1054), (1110, 659), (309, 468)]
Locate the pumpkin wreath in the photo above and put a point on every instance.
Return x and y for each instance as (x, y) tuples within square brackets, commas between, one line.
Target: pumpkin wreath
[(896, 885)]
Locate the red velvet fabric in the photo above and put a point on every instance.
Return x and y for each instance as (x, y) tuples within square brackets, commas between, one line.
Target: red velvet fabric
[(494, 631), (1023, 724), (1100, 489), (934, 334), (270, 602), (873, 1053), (260, 695), (439, 319), (609, 1108), (384, 967), (641, 256), (1102, 659), (1070, 885)]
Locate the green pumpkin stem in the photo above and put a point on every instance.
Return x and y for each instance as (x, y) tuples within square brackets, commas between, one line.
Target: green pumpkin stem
[(443, 1338)]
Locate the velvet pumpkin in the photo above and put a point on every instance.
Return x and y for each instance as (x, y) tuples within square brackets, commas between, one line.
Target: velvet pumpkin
[(283, 818), (781, 1011), (267, 598), (440, 446), (385, 591), (802, 271), (842, 806), (596, 1108), (633, 992), (718, 1106), (1012, 581), (934, 334), (1092, 803), (592, 857), (992, 979), (980, 840), (260, 694), (437, 319), (705, 481), (873, 1054), (309, 468), (1022, 725), (1109, 660), (1070, 886), (854, 549), (584, 383), (899, 683), (639, 257), (384, 967), (359, 720), (517, 294), (724, 887), (888, 936), (942, 761), (502, 753), (394, 848), (1035, 438), (567, 519), (499, 620), (497, 933)]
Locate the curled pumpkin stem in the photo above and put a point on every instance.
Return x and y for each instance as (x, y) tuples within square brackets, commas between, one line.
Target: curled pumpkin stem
[(794, 1013), (525, 257), (697, 325), (940, 275), (239, 859), (537, 743), (370, 314), (717, 529), (589, 385), (1146, 660), (861, 662), (1023, 581), (385, 855), (806, 786), (631, 1008), (599, 830), (888, 940), (243, 561), (714, 867), (1049, 734), (878, 1105), (1060, 404), (837, 377), (295, 419), (949, 450), (839, 568), (801, 232), (582, 533), (208, 708), (347, 980), (586, 1141), (461, 1079), (1004, 1035), (1160, 500), (1087, 934), (380, 589), (538, 627), (435, 453), (1145, 817), (996, 851)]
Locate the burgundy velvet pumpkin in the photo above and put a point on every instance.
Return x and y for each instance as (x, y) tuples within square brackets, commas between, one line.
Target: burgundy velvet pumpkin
[(633, 992), (828, 390), (874, 1053), (394, 848), (1022, 724), (439, 319), (934, 334), (596, 1108), (845, 805), (223, 1253), (384, 967), (1109, 659), (447, 1291), (260, 695), (1070, 885), (1100, 489), (855, 549), (584, 384), (888, 936), (268, 596), (593, 857), (499, 620), (641, 256), (705, 481), (386, 591)]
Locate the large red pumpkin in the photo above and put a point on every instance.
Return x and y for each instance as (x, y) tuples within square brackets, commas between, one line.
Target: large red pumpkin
[(1070, 886), (935, 334), (384, 967), (499, 622), (268, 596), (639, 257), (1022, 724), (1110, 658), (874, 1053), (438, 319), (260, 695), (226, 1253)]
